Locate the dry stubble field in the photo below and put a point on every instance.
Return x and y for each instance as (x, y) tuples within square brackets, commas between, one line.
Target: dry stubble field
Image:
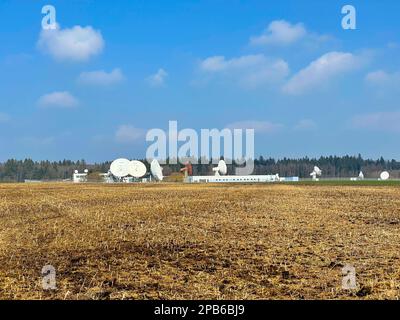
[(175, 241)]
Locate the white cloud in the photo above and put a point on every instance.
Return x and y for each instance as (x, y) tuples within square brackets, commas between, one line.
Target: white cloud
[(58, 100), (258, 126), (248, 70), (128, 134), (158, 79), (101, 77), (271, 73), (280, 32), (321, 71), (305, 125), (4, 117), (380, 121), (383, 84), (382, 78), (283, 33), (76, 44), (219, 63), (214, 64)]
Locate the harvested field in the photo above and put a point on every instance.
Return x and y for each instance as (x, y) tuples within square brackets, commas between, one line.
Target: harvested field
[(175, 241)]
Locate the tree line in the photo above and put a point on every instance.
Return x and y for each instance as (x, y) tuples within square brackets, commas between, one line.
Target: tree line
[(333, 166)]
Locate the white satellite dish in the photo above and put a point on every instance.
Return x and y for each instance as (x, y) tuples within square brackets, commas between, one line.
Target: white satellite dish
[(76, 171), (137, 169), (316, 172), (156, 170), (120, 168), (221, 169), (385, 175), (86, 171)]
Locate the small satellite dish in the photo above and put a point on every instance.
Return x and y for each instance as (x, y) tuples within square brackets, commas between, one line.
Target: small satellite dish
[(76, 171), (120, 168), (86, 171), (221, 169), (156, 170), (385, 175), (137, 169), (316, 172)]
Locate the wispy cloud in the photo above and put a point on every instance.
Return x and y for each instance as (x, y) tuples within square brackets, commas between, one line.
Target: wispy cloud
[(157, 79), (101, 77), (281, 33), (247, 70), (62, 99), (384, 85), (74, 44), (305, 125), (321, 71), (220, 63), (382, 78), (258, 126), (128, 134), (379, 121)]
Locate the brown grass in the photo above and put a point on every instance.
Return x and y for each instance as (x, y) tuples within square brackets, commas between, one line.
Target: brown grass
[(175, 241)]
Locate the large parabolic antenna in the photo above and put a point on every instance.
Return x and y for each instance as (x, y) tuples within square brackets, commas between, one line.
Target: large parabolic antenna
[(137, 169), (156, 170), (221, 169), (120, 168), (385, 175)]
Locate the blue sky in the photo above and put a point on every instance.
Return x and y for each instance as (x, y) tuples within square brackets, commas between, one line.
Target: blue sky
[(287, 69)]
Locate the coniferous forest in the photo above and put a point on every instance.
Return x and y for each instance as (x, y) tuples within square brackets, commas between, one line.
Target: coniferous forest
[(333, 167)]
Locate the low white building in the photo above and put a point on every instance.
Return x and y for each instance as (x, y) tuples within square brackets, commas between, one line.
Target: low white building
[(106, 177), (80, 177), (239, 179)]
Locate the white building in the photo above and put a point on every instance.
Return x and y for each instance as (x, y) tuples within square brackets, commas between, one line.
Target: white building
[(128, 180), (106, 177), (239, 179), (80, 177)]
